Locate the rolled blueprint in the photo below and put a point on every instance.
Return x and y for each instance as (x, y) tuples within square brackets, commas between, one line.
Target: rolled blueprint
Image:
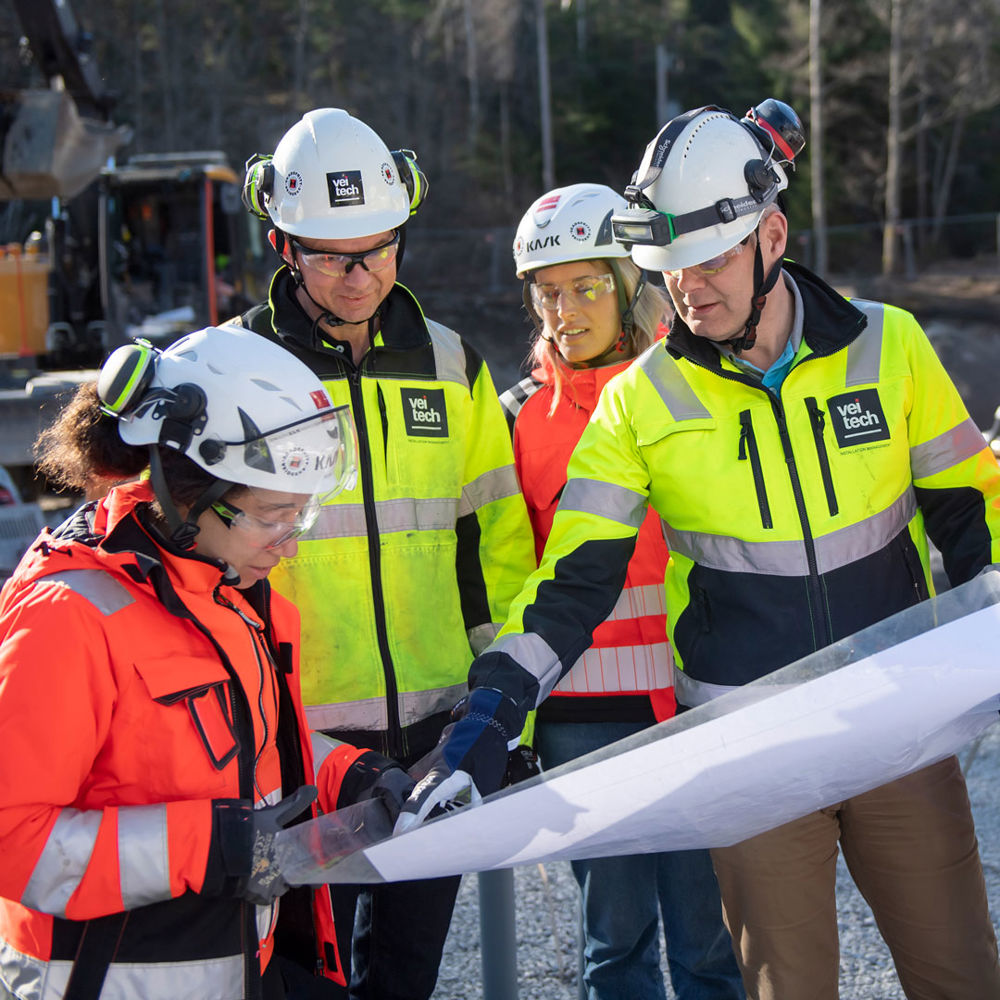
[(871, 708)]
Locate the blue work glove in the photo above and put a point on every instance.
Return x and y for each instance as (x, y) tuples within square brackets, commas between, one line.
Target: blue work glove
[(470, 757), (245, 840)]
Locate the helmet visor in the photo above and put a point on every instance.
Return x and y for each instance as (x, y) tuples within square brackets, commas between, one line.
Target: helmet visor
[(316, 456)]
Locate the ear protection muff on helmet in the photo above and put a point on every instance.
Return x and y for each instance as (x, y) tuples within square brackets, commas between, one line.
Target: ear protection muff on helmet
[(413, 178), (125, 377), (258, 183)]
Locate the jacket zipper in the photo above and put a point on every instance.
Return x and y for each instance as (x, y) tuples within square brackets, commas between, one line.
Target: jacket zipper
[(748, 448), (823, 630), (393, 735), (818, 421)]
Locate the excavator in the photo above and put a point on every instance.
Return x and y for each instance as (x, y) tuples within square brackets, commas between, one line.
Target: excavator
[(153, 247)]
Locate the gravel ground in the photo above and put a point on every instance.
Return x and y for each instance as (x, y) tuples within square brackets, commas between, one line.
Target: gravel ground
[(546, 914)]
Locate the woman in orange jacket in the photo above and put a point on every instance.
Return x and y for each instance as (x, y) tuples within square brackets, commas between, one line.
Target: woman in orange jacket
[(152, 731), (593, 315)]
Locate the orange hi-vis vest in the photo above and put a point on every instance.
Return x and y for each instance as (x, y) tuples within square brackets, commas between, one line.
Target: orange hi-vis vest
[(630, 654)]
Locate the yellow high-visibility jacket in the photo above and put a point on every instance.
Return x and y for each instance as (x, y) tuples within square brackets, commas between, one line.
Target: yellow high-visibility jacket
[(793, 519), (408, 575)]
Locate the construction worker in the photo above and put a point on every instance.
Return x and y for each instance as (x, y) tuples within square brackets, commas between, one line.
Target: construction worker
[(153, 733), (593, 314), (409, 575), (798, 448)]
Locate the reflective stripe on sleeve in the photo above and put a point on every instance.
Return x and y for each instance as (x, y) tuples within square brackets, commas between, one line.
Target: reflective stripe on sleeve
[(788, 558), (495, 484), (449, 356), (947, 449), (63, 861), (322, 746), (533, 655), (143, 855), (616, 503), (101, 589)]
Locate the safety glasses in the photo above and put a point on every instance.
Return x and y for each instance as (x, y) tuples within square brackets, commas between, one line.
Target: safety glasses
[(336, 265), (716, 264), (587, 288), (268, 534)]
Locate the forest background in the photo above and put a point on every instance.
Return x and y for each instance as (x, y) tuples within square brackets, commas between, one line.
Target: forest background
[(502, 99)]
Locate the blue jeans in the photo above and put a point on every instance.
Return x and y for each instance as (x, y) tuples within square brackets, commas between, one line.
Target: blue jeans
[(624, 897)]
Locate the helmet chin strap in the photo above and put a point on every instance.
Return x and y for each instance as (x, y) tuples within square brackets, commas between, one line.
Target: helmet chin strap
[(762, 285), (183, 531)]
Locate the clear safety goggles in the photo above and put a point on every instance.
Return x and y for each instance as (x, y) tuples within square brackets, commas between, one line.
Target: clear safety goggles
[(267, 533), (336, 265), (587, 288), (716, 264)]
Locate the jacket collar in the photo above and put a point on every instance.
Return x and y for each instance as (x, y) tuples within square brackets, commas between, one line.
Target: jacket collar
[(829, 321), (400, 322), (582, 386)]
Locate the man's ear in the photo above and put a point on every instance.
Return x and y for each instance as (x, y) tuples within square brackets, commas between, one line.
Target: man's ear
[(773, 233)]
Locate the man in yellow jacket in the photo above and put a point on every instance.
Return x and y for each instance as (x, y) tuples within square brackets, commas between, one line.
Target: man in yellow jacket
[(409, 574), (799, 448)]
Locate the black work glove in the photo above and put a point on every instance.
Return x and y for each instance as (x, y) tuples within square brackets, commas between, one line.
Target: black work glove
[(470, 757), (522, 763), (243, 848)]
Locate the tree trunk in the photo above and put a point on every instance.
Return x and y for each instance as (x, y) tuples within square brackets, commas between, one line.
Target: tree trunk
[(545, 98), (819, 236), (890, 233)]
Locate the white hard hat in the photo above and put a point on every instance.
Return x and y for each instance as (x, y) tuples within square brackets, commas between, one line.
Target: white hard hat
[(335, 179), (701, 188), (242, 408), (568, 224)]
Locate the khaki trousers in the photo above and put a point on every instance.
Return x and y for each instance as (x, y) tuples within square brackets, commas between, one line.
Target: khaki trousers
[(911, 849)]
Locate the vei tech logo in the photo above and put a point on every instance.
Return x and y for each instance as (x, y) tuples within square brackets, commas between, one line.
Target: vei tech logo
[(424, 413), (857, 418), (346, 188)]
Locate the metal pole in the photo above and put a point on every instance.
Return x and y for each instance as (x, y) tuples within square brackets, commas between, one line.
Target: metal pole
[(498, 935)]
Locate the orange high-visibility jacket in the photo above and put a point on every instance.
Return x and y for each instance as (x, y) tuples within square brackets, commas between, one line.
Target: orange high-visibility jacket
[(630, 655), (135, 688)]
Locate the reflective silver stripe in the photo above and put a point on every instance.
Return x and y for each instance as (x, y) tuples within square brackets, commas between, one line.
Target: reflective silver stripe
[(496, 484), (63, 861), (534, 655), (143, 855), (947, 449), (449, 355), (322, 746), (692, 693), (482, 635), (417, 705), (96, 586), (339, 520), (591, 496), (639, 602), (677, 395), (372, 714), (369, 713), (864, 353), (408, 514), (31, 978), (401, 514), (788, 558), (646, 667)]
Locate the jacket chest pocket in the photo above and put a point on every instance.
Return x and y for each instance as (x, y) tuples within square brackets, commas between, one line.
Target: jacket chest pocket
[(196, 696)]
